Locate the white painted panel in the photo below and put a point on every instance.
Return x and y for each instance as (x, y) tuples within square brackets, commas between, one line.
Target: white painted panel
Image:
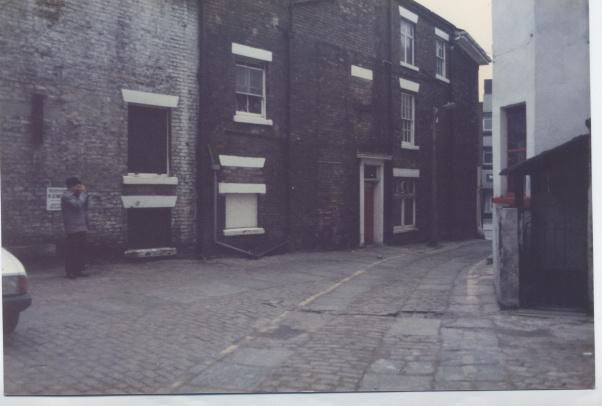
[(259, 188), (361, 73), (145, 202), (407, 14), (149, 179), (241, 211), (441, 34), (241, 161), (409, 85), (149, 99), (406, 173), (251, 52)]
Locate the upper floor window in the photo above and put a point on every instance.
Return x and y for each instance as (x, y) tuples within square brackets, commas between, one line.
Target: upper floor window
[(407, 118), (149, 116), (407, 42), (148, 138), (250, 84), (250, 89), (441, 56), (487, 123)]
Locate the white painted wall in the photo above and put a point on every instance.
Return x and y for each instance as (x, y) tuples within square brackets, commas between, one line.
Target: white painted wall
[(562, 97), (513, 71), (540, 58)]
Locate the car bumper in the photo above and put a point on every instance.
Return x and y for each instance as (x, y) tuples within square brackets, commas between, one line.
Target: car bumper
[(16, 303)]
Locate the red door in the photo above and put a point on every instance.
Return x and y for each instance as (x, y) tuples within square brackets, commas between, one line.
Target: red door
[(368, 212)]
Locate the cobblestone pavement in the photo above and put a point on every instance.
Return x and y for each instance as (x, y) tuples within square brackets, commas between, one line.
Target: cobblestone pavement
[(375, 319)]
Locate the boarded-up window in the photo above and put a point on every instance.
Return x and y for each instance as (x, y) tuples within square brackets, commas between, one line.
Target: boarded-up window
[(148, 137), (241, 210), (149, 228)]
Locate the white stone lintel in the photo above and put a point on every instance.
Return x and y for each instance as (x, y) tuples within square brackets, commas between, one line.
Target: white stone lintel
[(251, 52), (408, 15), (149, 99), (241, 161), (406, 173), (258, 188), (362, 73), (441, 34), (409, 85)]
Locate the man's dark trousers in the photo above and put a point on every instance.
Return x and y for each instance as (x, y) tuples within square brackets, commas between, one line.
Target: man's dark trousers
[(75, 247)]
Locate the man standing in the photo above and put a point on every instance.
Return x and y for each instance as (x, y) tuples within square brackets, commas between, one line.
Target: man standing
[(74, 205)]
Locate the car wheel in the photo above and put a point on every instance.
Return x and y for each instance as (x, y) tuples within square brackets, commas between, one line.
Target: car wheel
[(10, 321)]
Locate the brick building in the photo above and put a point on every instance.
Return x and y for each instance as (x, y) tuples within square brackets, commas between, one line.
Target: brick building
[(247, 125), (341, 137)]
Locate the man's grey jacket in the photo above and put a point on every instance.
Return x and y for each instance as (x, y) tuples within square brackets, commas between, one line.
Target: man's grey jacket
[(75, 212)]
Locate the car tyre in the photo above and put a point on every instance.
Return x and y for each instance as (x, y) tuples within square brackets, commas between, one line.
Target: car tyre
[(10, 321)]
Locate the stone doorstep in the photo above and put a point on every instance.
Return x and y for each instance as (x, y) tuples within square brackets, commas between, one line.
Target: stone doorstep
[(151, 252)]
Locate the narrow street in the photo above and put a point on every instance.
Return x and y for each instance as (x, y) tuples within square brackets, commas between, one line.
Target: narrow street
[(376, 319)]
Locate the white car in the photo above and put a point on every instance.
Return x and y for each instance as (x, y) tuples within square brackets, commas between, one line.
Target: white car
[(15, 296)]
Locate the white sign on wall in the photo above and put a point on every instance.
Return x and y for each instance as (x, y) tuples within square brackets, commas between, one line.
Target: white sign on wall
[(53, 198)]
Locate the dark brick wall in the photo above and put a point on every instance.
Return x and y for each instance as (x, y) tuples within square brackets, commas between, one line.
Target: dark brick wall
[(259, 24), (79, 55)]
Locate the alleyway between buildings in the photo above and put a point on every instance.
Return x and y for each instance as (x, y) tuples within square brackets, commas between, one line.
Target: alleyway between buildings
[(375, 319)]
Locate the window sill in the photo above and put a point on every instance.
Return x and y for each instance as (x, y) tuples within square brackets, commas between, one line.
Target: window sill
[(407, 145), (404, 229), (252, 119), (407, 65), (244, 231), (443, 79), (149, 179)]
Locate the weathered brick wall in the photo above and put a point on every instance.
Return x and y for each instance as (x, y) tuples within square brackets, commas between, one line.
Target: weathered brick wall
[(259, 24), (79, 55), (333, 116)]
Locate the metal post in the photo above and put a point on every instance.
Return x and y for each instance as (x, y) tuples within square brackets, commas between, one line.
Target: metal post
[(434, 229)]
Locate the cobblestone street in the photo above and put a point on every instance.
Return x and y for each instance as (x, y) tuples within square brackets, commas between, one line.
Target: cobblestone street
[(376, 319)]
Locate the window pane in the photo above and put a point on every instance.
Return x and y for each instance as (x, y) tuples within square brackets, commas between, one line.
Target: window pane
[(256, 85), (410, 52), (147, 139), (242, 79), (241, 210), (255, 104), (241, 102), (408, 211)]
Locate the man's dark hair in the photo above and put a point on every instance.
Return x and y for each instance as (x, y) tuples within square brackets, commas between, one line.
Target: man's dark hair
[(70, 182)]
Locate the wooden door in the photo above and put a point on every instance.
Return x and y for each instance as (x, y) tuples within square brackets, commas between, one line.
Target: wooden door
[(368, 212)]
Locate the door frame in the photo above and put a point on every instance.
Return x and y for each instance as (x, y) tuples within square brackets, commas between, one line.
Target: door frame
[(379, 198)]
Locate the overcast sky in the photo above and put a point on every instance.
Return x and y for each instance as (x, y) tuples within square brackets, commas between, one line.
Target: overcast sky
[(473, 16)]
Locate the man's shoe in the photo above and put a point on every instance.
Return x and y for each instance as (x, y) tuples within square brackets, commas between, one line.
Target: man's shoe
[(82, 274), (70, 276)]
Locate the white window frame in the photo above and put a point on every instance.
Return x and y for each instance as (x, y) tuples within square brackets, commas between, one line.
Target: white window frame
[(412, 226), (440, 45), (489, 150), (264, 56), (263, 91), (404, 36), (249, 230), (411, 142), (490, 120)]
